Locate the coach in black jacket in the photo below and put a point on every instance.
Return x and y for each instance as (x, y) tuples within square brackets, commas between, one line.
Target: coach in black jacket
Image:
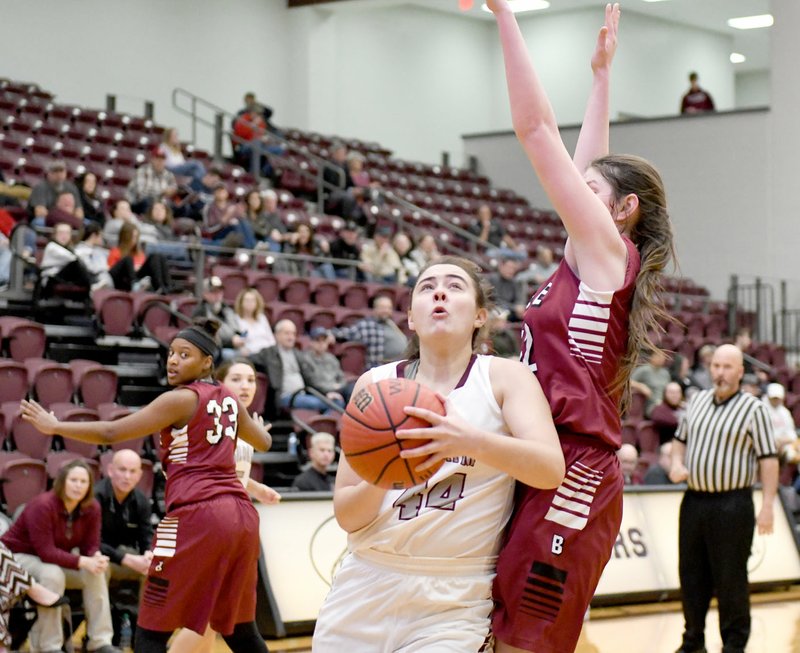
[(126, 531)]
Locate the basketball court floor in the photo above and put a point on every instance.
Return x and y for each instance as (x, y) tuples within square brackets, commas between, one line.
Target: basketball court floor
[(656, 628)]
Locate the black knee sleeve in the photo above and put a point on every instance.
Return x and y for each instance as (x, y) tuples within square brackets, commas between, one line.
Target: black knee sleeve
[(151, 641), (244, 639)]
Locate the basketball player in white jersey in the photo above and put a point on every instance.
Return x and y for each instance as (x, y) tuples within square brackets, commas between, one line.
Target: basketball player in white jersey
[(421, 561)]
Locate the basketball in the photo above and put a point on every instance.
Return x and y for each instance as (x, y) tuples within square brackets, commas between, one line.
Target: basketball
[(368, 429)]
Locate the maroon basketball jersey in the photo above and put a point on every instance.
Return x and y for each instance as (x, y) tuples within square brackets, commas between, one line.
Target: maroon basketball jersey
[(574, 338), (198, 459)]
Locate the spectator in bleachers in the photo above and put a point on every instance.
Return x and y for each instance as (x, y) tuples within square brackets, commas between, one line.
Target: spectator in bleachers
[(410, 258), (43, 538), (133, 269), (200, 194), (91, 251), (379, 261), (253, 325), (696, 100), (289, 372), (629, 464), (355, 164), (224, 224), (342, 198), (120, 214), (501, 342), (540, 269), (650, 379), (667, 415), (427, 249), (255, 108), (680, 372), (321, 452), (491, 231), (783, 425), (151, 182), (743, 339), (347, 246), (157, 234), (252, 126), (64, 210), (303, 241), (16, 582), (126, 530), (158, 221), (60, 264), (5, 260), (658, 472), (45, 193), (175, 162), (328, 373), (262, 211), (509, 293), (92, 205), (365, 188), (213, 306), (701, 375), (385, 341), (752, 385)]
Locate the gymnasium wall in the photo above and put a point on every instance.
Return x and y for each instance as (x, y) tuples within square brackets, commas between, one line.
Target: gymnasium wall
[(411, 78), (717, 184)]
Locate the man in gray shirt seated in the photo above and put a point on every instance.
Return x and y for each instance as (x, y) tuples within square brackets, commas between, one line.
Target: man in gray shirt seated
[(384, 340), (328, 373), (290, 372)]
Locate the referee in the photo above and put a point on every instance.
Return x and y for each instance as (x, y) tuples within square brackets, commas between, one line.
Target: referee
[(726, 437)]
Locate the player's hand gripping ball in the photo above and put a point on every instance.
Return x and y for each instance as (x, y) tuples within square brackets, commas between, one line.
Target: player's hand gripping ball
[(368, 429)]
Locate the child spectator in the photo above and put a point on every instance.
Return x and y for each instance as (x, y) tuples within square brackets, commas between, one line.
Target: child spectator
[(175, 162)]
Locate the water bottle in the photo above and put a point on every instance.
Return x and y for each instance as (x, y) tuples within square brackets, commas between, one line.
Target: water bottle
[(291, 447), (125, 632)]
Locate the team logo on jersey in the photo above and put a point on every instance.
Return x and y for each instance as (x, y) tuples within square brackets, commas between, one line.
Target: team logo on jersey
[(538, 298)]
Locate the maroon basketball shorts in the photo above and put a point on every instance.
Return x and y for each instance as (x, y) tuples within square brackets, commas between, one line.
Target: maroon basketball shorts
[(556, 547), (204, 568)]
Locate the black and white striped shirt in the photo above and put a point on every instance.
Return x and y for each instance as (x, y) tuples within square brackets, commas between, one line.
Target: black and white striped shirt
[(725, 440)]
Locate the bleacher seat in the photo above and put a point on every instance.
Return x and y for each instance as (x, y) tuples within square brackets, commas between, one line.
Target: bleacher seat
[(57, 459), (95, 383), (13, 381), (69, 412), (50, 382), (22, 479), (114, 310)]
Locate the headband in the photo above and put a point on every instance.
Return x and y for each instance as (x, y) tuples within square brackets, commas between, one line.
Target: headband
[(200, 339)]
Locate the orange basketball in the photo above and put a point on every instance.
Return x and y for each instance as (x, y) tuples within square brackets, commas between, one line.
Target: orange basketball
[(368, 428)]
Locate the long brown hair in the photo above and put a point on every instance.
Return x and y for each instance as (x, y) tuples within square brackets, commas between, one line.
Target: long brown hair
[(61, 481), (128, 243), (484, 298), (652, 235)]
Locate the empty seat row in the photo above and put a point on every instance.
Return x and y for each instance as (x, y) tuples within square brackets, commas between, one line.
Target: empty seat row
[(50, 382)]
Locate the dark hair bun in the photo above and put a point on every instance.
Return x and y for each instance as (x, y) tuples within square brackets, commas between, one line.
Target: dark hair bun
[(207, 324)]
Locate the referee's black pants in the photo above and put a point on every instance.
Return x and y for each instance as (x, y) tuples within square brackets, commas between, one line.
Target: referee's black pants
[(716, 534)]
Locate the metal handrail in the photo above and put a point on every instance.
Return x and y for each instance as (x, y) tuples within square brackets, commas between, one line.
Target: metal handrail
[(222, 115), (479, 247)]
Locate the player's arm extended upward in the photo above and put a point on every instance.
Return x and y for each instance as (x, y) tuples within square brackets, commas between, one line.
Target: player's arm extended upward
[(355, 502), (173, 408)]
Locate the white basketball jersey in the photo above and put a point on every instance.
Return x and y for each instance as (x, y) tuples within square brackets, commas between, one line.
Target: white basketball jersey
[(461, 511), (244, 460)]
